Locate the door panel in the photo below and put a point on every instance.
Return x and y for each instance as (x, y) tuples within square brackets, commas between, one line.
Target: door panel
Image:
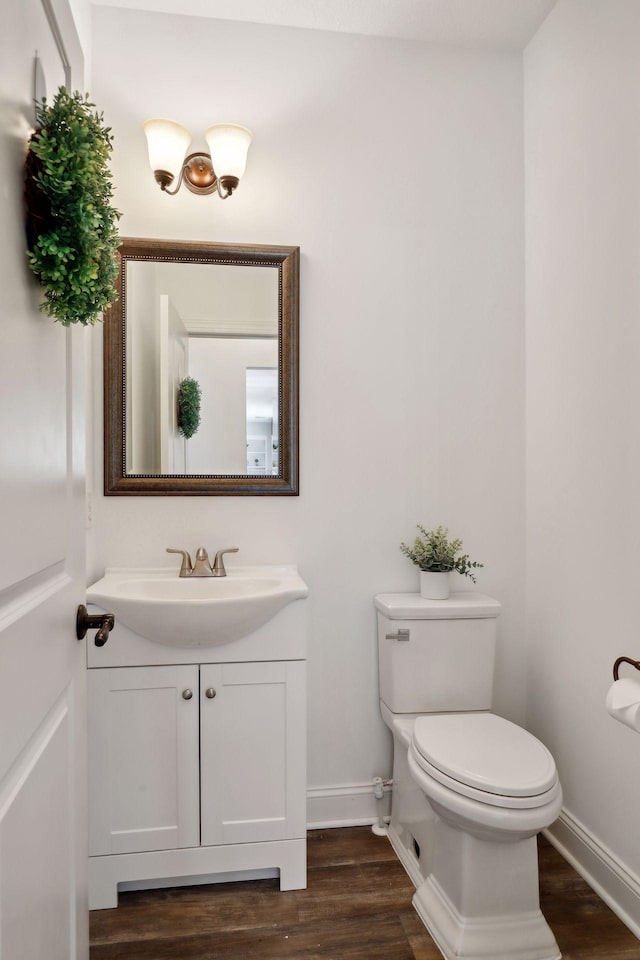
[(33, 414), (36, 838), (143, 759), (43, 883), (252, 752)]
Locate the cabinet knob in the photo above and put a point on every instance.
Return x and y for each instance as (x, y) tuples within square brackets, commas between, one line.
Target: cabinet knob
[(210, 693), (187, 694)]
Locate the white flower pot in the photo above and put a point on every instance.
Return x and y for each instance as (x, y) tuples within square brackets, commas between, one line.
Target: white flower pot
[(434, 586)]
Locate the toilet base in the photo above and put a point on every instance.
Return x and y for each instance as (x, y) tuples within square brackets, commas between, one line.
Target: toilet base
[(521, 937), (480, 899), (407, 857), (521, 933)]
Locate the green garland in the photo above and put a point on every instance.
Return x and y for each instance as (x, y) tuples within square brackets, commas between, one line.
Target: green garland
[(72, 226), (188, 406)]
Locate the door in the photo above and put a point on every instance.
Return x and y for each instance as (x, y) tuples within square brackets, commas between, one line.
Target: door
[(143, 759), (174, 367), (253, 741), (43, 850)]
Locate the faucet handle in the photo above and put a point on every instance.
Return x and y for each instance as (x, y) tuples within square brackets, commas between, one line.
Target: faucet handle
[(186, 566), (218, 563)]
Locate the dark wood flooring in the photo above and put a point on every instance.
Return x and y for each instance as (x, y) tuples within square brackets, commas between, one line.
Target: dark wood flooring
[(357, 907)]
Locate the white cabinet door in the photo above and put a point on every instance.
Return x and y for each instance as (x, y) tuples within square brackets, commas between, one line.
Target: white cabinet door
[(143, 759), (253, 749)]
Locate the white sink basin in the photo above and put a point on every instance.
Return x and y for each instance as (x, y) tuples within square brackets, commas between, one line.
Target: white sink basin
[(196, 612)]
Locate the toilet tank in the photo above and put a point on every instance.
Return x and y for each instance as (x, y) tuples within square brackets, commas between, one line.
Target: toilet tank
[(447, 661)]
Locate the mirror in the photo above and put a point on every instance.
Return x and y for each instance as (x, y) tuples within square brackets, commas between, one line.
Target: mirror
[(213, 320)]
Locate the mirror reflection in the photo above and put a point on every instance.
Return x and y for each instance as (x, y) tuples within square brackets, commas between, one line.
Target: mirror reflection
[(201, 370), (217, 324)]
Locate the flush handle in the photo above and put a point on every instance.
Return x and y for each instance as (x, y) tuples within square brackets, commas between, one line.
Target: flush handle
[(402, 634)]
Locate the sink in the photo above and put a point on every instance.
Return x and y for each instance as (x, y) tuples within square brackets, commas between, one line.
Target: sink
[(196, 612)]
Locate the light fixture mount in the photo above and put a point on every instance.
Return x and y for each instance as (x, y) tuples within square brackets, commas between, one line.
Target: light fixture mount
[(198, 174)]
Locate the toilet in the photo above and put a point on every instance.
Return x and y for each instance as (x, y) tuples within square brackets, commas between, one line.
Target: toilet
[(470, 789)]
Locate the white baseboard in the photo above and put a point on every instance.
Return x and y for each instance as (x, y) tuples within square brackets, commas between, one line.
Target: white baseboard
[(611, 879), (347, 805)]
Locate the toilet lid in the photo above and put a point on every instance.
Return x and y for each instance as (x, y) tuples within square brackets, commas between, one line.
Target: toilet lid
[(485, 752)]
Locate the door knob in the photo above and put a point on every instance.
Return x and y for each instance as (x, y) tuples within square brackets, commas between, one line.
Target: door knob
[(102, 622), (187, 694), (210, 693)]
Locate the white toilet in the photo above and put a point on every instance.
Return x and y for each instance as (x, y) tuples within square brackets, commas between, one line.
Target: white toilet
[(470, 789)]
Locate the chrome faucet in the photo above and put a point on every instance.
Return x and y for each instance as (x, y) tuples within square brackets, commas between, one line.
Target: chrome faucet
[(202, 567)]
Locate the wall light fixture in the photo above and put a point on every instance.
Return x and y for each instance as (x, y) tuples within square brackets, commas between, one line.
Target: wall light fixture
[(202, 173)]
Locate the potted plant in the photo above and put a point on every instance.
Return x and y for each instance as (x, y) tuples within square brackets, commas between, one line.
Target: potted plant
[(437, 557), (72, 226)]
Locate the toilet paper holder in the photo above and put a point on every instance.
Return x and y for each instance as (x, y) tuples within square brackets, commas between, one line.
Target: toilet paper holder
[(616, 666)]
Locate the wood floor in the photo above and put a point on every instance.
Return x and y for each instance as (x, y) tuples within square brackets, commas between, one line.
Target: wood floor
[(357, 907)]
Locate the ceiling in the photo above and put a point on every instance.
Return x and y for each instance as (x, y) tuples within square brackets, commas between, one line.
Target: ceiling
[(506, 24)]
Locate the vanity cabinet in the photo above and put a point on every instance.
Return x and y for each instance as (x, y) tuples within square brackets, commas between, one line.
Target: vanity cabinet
[(197, 770), (188, 755)]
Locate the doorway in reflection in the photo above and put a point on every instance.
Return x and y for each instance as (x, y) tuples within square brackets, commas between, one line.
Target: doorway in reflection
[(262, 420), (238, 379)]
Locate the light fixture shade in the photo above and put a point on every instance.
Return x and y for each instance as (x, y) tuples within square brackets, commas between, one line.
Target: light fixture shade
[(228, 145), (167, 142)]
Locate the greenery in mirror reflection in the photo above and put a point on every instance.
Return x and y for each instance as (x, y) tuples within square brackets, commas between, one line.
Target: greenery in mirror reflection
[(189, 394)]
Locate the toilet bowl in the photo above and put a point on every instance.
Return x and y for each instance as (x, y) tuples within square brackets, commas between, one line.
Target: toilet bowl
[(470, 789), (485, 775)]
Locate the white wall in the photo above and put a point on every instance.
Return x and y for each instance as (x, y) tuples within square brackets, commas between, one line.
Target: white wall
[(582, 110), (397, 168)]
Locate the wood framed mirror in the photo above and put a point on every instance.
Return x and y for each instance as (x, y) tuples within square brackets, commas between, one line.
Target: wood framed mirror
[(227, 317)]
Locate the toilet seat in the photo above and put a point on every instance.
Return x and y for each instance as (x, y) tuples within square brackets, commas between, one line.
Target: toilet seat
[(486, 758)]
